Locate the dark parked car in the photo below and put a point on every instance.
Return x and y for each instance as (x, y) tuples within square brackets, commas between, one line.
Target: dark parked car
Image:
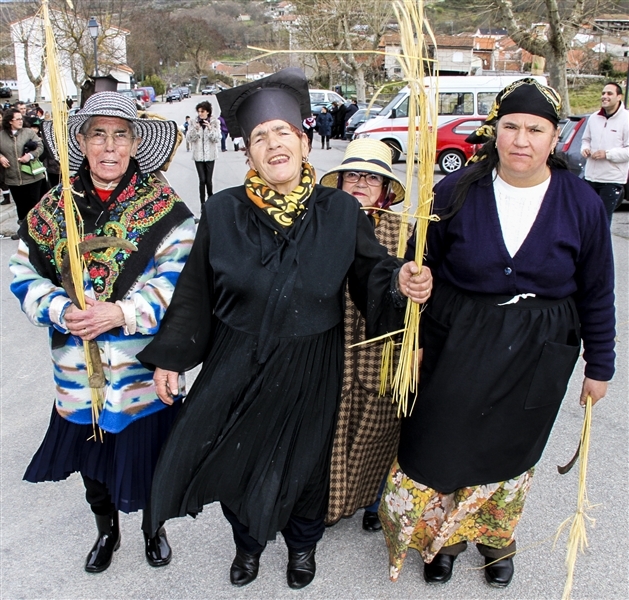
[(5, 92), (184, 91), (357, 119), (569, 143), (174, 94), (134, 95)]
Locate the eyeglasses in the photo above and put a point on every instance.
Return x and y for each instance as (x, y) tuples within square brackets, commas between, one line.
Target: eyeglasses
[(121, 138), (370, 178), (17, 119)]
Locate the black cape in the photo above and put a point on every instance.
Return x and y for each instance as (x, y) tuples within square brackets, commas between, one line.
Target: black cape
[(262, 308)]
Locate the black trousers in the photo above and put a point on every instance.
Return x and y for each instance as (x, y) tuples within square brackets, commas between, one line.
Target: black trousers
[(325, 139), (26, 197), (205, 170), (611, 194), (300, 534)]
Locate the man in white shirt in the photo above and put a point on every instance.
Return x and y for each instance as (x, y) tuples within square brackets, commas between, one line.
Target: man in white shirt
[(606, 146)]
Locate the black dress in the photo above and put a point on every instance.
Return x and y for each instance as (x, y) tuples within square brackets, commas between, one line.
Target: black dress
[(262, 308)]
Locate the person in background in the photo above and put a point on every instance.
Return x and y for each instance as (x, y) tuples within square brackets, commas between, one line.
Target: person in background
[(351, 110), (325, 122), (334, 107), (186, 126), (127, 288), (224, 132), (259, 303), (367, 428), (309, 125), (204, 134), (523, 267), (605, 145), (21, 106), (339, 121), (19, 145)]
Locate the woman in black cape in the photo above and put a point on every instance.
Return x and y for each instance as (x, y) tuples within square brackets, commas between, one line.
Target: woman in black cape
[(260, 304)]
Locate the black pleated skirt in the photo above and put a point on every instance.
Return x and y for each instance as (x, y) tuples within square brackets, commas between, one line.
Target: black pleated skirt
[(492, 380), (256, 437), (123, 461)]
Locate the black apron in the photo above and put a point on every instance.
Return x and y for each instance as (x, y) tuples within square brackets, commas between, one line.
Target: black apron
[(492, 381)]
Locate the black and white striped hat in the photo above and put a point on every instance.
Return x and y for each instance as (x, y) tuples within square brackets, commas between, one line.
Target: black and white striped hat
[(159, 137)]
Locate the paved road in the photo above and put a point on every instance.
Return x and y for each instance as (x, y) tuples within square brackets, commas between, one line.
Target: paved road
[(47, 529)]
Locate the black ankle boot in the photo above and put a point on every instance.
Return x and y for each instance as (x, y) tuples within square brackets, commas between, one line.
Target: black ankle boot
[(440, 569), (157, 549), (301, 568), (500, 573), (107, 543), (244, 568)]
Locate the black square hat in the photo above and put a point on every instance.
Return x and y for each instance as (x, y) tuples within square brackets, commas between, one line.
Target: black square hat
[(283, 95)]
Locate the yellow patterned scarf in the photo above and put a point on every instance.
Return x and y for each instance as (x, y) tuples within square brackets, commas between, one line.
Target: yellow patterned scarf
[(283, 209)]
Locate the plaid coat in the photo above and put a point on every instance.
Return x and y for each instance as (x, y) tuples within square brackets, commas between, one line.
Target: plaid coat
[(367, 430)]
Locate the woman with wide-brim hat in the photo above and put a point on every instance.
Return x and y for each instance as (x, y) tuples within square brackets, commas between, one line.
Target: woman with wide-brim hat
[(260, 304), (368, 428), (137, 234), (523, 268)]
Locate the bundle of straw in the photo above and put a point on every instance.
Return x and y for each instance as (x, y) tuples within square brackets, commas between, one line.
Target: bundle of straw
[(418, 70), (74, 223), (577, 538)]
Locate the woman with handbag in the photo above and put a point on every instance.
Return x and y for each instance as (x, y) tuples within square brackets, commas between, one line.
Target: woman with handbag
[(20, 147)]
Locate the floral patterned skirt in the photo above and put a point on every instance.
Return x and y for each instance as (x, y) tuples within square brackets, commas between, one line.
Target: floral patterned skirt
[(416, 516)]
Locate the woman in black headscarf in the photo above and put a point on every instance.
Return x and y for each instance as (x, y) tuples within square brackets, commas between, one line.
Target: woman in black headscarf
[(260, 304), (523, 270)]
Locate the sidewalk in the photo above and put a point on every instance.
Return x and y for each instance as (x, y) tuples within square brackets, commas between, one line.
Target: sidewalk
[(8, 219)]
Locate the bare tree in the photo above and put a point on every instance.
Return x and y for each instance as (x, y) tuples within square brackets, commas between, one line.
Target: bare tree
[(353, 29), (28, 34), (152, 43), (71, 34), (198, 41), (73, 39), (564, 21)]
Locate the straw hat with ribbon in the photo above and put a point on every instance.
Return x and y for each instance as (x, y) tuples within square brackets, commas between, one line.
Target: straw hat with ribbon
[(159, 137), (367, 156)]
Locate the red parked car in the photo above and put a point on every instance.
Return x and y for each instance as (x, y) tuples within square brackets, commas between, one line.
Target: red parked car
[(452, 149)]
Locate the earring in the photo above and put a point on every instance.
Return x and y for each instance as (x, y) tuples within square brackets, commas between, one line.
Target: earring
[(304, 159), (553, 150)]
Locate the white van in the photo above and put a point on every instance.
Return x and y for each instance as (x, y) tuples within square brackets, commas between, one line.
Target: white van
[(458, 97)]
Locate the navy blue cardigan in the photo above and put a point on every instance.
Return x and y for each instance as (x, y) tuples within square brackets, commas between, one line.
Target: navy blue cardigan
[(567, 252)]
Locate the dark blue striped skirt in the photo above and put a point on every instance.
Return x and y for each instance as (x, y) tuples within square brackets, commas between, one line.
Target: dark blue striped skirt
[(123, 461)]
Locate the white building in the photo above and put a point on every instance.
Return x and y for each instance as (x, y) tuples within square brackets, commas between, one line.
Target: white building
[(28, 36)]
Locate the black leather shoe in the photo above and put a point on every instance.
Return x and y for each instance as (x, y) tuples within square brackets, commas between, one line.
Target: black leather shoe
[(244, 569), (107, 543), (500, 573), (157, 549), (440, 569), (301, 568), (371, 522)]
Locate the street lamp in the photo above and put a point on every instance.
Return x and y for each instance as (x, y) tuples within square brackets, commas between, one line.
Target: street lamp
[(93, 28)]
